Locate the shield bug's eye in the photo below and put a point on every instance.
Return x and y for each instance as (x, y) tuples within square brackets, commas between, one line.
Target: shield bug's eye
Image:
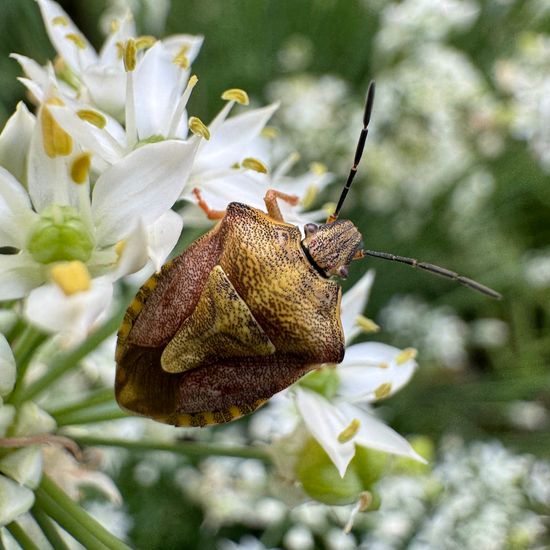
[(310, 228), (343, 272)]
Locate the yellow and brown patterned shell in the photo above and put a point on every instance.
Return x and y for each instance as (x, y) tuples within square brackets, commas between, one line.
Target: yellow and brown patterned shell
[(236, 318)]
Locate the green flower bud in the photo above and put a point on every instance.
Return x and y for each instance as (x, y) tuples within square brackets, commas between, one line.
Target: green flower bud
[(370, 465), (424, 446), (60, 235), (320, 478), (24, 466), (14, 500), (324, 381), (31, 420)]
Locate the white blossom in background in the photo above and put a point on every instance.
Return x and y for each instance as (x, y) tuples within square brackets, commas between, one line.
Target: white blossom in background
[(409, 23), (153, 14), (478, 496), (525, 76)]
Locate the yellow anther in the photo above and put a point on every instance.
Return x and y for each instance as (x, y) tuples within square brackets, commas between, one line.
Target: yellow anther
[(119, 247), (365, 500), (237, 95), (193, 81), (235, 166), (55, 101), (383, 390), (349, 432), (114, 26), (120, 49), (366, 325), (254, 164), (383, 365), (56, 141), (329, 207), (80, 168), (71, 277), (60, 20), (310, 196), (77, 40), (406, 355), (181, 59), (129, 55), (144, 42), (318, 168), (93, 117), (269, 132), (197, 126)]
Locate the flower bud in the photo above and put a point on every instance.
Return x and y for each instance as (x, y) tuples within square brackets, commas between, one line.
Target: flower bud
[(24, 466), (31, 420), (320, 478), (14, 500), (60, 235)]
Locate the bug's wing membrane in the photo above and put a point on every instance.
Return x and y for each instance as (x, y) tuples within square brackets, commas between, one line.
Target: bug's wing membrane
[(221, 321)]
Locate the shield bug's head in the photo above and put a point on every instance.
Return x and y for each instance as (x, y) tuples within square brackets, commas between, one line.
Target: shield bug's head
[(331, 247)]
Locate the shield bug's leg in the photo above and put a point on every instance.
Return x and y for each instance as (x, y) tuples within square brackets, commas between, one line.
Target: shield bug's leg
[(273, 209), (210, 213)]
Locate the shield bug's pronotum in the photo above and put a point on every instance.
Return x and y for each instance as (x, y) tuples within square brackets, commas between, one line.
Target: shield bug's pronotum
[(245, 311)]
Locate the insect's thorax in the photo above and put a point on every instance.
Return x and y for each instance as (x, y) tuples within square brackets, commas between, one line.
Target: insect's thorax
[(298, 309)]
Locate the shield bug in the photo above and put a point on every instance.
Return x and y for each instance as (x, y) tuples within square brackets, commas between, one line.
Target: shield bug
[(245, 311)]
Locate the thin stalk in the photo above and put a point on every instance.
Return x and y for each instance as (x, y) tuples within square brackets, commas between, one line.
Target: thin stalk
[(24, 348), (185, 448), (108, 411), (64, 362), (18, 533), (70, 508), (98, 397), (48, 528)]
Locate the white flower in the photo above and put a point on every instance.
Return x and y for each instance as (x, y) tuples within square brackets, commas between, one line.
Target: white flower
[(109, 231), (15, 500), (100, 77)]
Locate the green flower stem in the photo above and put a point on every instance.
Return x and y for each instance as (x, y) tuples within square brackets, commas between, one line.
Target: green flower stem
[(21, 537), (48, 528), (101, 413), (104, 395), (185, 448), (24, 348), (72, 517), (64, 362)]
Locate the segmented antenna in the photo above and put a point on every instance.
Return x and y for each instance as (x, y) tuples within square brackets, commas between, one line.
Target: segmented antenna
[(358, 152), (435, 269)]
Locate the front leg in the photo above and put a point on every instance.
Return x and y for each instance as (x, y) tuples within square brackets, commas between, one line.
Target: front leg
[(271, 205)]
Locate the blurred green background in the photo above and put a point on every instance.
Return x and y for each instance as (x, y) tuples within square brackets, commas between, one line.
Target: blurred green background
[(456, 172)]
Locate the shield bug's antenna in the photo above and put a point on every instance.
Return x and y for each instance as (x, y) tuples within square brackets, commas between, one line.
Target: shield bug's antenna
[(435, 269), (358, 152)]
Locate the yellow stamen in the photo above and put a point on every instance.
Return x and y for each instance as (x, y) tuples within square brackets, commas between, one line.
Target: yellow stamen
[(366, 325), (80, 168), (129, 55), (383, 390), (193, 81), (71, 277), (348, 433), (120, 49), (93, 117), (383, 365), (77, 40), (318, 168), (329, 207), (60, 20), (181, 59), (235, 166), (406, 355), (310, 196), (114, 26), (365, 500), (56, 141), (237, 95), (269, 132), (254, 164), (197, 126), (144, 42), (119, 247)]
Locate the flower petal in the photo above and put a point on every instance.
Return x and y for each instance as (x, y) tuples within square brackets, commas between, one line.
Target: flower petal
[(325, 423), (353, 304), (58, 26), (163, 237), (174, 44), (16, 214), (369, 366), (19, 274), (158, 84), (107, 89), (230, 141), (374, 434), (24, 466), (32, 420), (71, 316), (134, 256), (14, 142), (14, 500), (7, 367), (109, 55), (145, 184)]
